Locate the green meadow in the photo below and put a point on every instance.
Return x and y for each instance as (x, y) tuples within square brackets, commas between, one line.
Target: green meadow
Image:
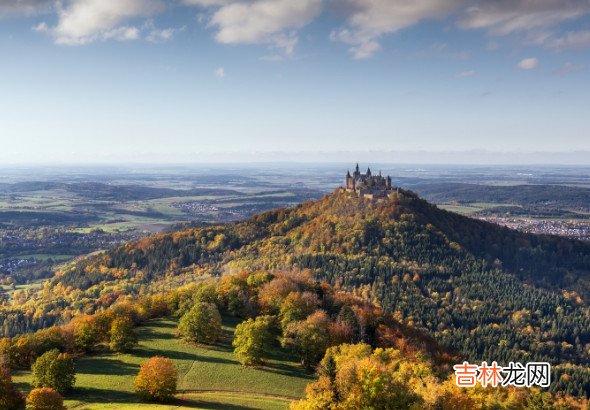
[(209, 377)]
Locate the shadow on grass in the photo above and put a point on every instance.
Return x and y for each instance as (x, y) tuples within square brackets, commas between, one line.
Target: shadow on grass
[(110, 366), (222, 346), (210, 405), (283, 361), (154, 333), (146, 353), (23, 387), (287, 370), (95, 395)]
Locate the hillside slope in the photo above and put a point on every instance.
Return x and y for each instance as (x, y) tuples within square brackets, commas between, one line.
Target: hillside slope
[(210, 377), (488, 292)]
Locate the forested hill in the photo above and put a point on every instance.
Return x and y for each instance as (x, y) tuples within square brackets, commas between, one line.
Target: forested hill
[(405, 231), (486, 291)]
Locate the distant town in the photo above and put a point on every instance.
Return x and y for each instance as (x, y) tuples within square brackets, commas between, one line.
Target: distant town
[(570, 228)]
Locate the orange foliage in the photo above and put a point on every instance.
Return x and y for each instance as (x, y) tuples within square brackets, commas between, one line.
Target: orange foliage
[(156, 379)]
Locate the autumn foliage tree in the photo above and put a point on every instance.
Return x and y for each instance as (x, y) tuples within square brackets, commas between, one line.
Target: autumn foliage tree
[(54, 369), (86, 332), (156, 380), (310, 337), (45, 398), (201, 324), (356, 376), (123, 337), (10, 397), (253, 338), (297, 306)]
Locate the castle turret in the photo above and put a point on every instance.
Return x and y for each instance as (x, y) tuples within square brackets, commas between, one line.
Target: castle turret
[(367, 185), (349, 180), (357, 172)]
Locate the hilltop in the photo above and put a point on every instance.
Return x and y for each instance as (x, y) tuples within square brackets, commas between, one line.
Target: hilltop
[(487, 292)]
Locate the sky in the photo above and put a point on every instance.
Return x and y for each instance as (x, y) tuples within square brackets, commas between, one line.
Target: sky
[(101, 81)]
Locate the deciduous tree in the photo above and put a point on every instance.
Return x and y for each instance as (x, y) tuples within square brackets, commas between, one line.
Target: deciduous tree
[(54, 369), (309, 337), (45, 398), (253, 338), (156, 380), (10, 397), (123, 337), (201, 324)]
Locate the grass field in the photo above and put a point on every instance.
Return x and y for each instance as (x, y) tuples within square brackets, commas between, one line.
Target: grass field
[(472, 207), (208, 377)]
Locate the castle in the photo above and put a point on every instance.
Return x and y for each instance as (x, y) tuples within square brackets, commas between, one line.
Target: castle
[(368, 185)]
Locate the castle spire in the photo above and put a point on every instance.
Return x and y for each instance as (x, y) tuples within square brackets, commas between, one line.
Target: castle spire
[(369, 171), (357, 167), (348, 173)]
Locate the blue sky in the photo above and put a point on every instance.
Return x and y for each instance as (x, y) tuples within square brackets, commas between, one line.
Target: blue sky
[(166, 81)]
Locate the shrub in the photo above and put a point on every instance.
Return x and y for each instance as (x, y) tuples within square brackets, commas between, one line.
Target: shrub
[(201, 324), (45, 399), (156, 379), (54, 369), (123, 336), (10, 397)]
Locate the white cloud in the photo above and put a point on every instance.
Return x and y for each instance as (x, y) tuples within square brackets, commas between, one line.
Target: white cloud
[(368, 20), (162, 35), (503, 17), (24, 7), (220, 73), (465, 74), (272, 22), (205, 3), (276, 23), (575, 39), (157, 35), (85, 21), (41, 27), (122, 34), (528, 64)]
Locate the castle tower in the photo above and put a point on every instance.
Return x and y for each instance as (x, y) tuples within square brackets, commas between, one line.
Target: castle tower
[(367, 185)]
